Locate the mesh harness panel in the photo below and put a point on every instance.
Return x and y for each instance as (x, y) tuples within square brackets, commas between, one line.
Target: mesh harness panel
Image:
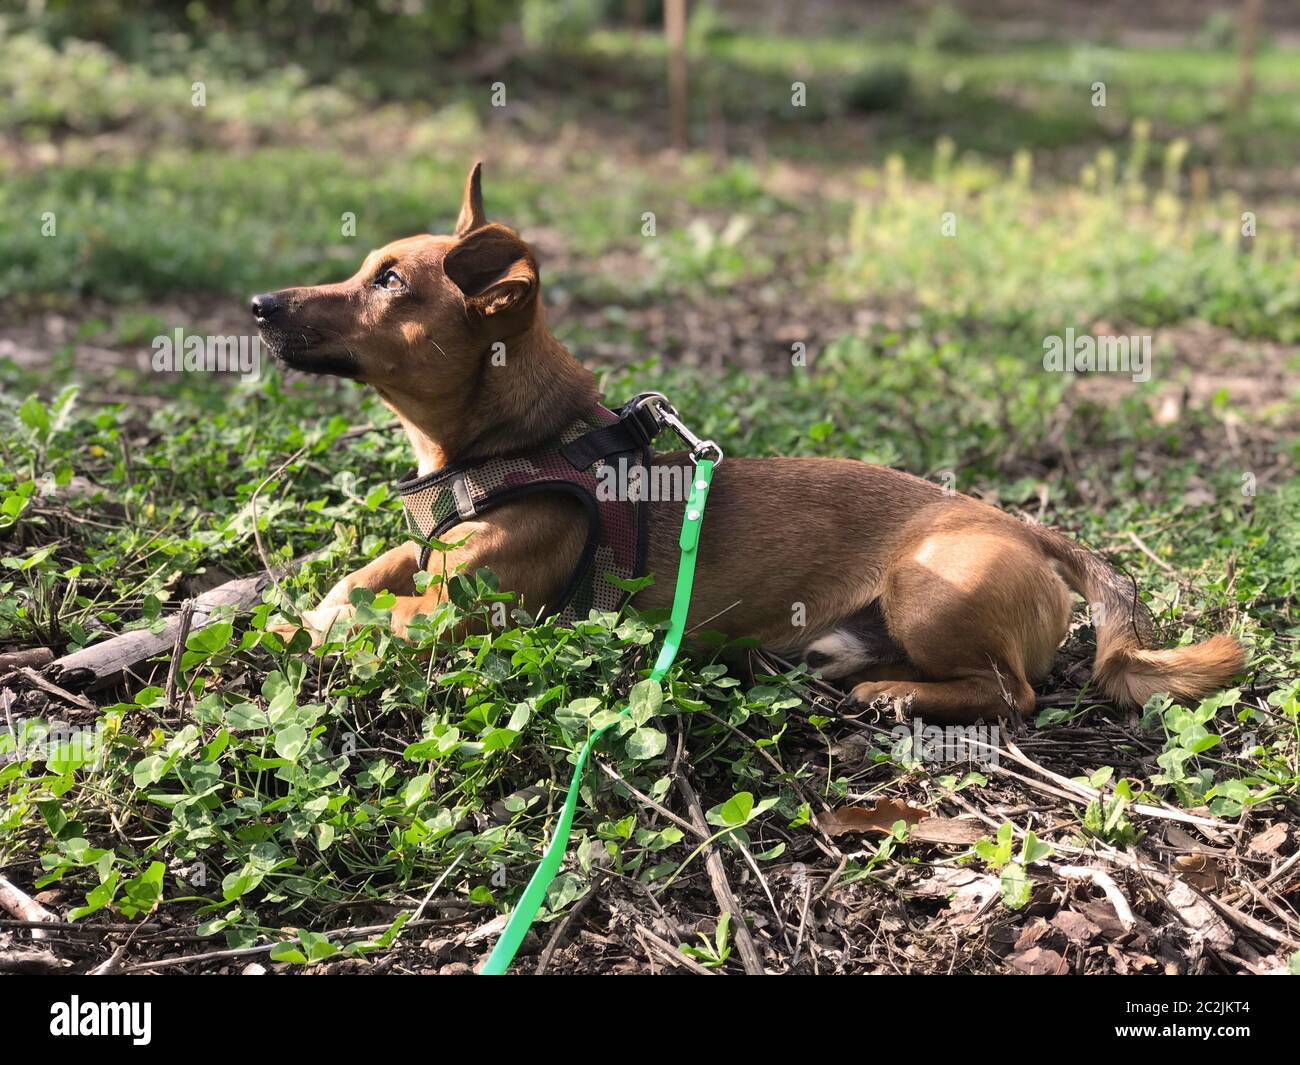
[(572, 463)]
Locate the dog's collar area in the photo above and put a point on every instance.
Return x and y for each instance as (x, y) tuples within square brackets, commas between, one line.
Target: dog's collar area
[(653, 411), (636, 425), (575, 463)]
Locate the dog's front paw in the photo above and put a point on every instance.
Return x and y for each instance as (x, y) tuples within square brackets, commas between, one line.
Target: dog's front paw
[(316, 623), (286, 631)]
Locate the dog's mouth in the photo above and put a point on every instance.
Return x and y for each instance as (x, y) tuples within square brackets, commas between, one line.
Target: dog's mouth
[(307, 351)]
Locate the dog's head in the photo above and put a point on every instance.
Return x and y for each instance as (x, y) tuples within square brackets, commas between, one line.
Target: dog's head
[(421, 313)]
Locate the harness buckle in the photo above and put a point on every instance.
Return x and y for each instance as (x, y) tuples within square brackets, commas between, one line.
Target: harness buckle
[(655, 410), (640, 415)]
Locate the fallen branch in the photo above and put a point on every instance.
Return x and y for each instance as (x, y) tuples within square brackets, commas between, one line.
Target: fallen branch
[(112, 966), (659, 808), (37, 681), (1107, 884), (22, 906), (100, 664), (32, 657), (183, 626), (718, 876), (31, 962), (1092, 794), (557, 937), (1141, 546), (666, 952)]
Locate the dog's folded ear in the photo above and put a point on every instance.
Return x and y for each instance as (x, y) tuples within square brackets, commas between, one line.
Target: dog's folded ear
[(471, 215), (494, 269)]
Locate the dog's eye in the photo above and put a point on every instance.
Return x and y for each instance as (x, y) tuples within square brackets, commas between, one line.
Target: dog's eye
[(390, 280)]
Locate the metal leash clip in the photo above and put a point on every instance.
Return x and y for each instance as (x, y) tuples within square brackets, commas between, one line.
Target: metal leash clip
[(666, 416)]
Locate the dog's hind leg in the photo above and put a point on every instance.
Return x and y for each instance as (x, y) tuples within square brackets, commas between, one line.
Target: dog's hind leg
[(959, 701), (979, 612)]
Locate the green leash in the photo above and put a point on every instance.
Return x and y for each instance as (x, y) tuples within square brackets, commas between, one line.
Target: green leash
[(535, 893)]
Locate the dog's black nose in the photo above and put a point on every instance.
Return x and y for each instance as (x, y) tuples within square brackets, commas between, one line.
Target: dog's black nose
[(267, 305)]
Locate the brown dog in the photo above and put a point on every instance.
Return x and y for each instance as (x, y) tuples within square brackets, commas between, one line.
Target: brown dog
[(910, 592)]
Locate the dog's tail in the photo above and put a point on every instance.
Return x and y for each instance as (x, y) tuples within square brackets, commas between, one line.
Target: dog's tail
[(1127, 668)]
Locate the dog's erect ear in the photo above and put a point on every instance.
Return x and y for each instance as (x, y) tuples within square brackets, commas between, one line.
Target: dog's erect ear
[(494, 269), (471, 215)]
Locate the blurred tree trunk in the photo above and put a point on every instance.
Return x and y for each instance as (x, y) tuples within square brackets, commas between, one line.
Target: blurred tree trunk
[(675, 32), (1251, 13)]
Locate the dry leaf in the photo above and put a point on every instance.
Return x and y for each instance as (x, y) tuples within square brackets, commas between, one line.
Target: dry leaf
[(1032, 932), (1272, 838), (1176, 837), (967, 891), (880, 817), (1075, 927), (1102, 913), (1201, 871), (486, 931), (1038, 961)]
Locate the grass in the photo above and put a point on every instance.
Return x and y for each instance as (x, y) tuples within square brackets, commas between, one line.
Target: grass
[(284, 798), (996, 99), (1020, 254), (291, 785)]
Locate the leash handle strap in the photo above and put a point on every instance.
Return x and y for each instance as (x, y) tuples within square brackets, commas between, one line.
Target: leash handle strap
[(535, 893)]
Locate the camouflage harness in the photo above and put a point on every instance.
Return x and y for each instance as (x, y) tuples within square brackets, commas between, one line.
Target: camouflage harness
[(573, 463)]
